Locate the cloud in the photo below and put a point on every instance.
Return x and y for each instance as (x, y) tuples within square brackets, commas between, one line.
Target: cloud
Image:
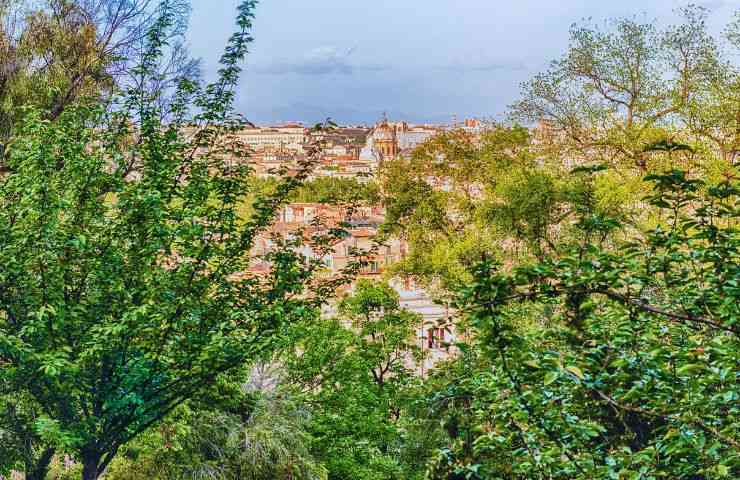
[(342, 114), (325, 60), (485, 66)]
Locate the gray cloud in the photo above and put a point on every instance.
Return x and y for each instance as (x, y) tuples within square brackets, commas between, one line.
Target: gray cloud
[(420, 57), (319, 61), (484, 66)]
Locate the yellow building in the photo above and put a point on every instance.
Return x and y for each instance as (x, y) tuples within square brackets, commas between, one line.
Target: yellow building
[(385, 141)]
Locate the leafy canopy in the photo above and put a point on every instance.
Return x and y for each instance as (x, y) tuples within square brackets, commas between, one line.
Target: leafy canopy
[(125, 288), (628, 367)]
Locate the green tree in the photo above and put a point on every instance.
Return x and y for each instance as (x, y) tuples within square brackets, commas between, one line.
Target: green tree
[(610, 363), (618, 87), (125, 288), (354, 373), (55, 53), (459, 197), (19, 441), (265, 438), (713, 113), (338, 190)]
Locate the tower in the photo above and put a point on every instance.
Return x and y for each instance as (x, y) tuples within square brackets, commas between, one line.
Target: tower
[(385, 140)]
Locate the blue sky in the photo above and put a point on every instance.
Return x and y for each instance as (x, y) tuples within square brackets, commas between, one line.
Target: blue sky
[(420, 60)]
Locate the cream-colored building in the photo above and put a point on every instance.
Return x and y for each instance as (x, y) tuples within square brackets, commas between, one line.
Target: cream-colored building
[(286, 137)]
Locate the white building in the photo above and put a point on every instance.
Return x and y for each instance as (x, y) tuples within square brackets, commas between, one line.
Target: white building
[(287, 137)]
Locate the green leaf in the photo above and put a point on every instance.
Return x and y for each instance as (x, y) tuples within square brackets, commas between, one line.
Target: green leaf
[(551, 377), (575, 371), (689, 369), (532, 363)]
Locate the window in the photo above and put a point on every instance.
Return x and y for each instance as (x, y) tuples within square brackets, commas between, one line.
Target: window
[(436, 337), (328, 261)]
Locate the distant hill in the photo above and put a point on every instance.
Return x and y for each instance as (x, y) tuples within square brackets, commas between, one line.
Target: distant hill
[(309, 114)]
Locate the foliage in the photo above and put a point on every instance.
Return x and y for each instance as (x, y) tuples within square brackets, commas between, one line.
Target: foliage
[(602, 305), (619, 85), (354, 371), (55, 53), (459, 198), (268, 441), (337, 190), (125, 288), (630, 369), (19, 441)]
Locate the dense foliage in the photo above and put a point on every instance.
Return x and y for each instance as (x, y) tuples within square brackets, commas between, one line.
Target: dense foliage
[(265, 437), (627, 363), (448, 221), (125, 290), (337, 190), (354, 371), (591, 263)]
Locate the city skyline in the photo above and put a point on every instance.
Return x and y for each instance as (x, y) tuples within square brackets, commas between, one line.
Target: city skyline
[(354, 61)]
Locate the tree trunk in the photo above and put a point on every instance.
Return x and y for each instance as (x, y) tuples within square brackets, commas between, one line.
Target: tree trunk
[(40, 469), (90, 467)]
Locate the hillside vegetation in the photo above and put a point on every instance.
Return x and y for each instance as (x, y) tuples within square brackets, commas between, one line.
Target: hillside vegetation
[(588, 249)]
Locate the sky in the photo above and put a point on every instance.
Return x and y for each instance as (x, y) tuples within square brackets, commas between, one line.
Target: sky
[(416, 60)]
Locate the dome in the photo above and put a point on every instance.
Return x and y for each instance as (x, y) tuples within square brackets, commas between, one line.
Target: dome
[(383, 131)]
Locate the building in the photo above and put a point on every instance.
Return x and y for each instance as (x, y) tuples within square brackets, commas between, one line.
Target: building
[(411, 136), (270, 161), (350, 152), (389, 140), (286, 137), (341, 141), (435, 332), (385, 141)]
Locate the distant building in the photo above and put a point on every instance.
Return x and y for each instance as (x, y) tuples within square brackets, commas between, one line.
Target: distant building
[(284, 137), (475, 126), (269, 161), (389, 140), (385, 141), (341, 153), (411, 136), (435, 333), (342, 141)]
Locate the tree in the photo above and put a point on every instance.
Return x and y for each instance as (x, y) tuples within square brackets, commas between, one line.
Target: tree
[(459, 197), (125, 288), (265, 438), (19, 441), (385, 330), (609, 363), (713, 114), (338, 190), (354, 372), (618, 87), (55, 53)]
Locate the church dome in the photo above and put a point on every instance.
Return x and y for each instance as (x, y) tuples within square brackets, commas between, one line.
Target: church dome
[(383, 131)]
